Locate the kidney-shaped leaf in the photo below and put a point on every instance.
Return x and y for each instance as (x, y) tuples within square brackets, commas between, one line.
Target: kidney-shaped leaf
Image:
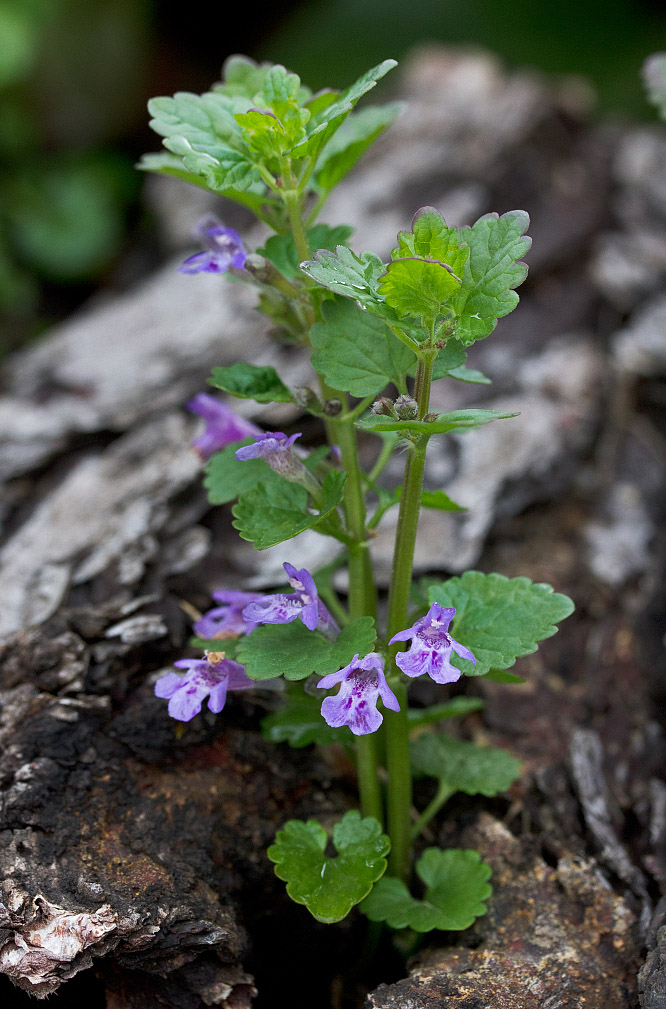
[(329, 887)]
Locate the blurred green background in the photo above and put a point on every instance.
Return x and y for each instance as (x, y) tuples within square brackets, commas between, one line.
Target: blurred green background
[(75, 76)]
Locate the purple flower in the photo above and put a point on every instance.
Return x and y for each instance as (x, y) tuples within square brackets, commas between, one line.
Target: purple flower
[(210, 678), (223, 427), (431, 647), (223, 249), (283, 608), (275, 448), (362, 683), (226, 621)]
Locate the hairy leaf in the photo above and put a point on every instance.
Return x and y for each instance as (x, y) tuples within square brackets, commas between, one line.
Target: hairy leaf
[(432, 238), (355, 351), (329, 887), (498, 618), (418, 287), (299, 723), (492, 272), (292, 651), (227, 477), (281, 249), (462, 766), (442, 424), (329, 119), (251, 381), (278, 510)]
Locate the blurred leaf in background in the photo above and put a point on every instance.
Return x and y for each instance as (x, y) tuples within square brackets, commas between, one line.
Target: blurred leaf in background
[(71, 77), (606, 40)]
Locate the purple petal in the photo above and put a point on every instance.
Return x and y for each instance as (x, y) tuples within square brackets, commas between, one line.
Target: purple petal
[(446, 672), (205, 262), (218, 696), (389, 699), (237, 679), (249, 452), (405, 635), (421, 658), (332, 679), (310, 615), (275, 609), (463, 652), (301, 579), (167, 685), (442, 614)]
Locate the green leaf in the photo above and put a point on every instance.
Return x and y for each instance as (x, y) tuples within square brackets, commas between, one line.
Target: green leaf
[(251, 381), (356, 134), (457, 707), (501, 676), (436, 499), (440, 501), (169, 164), (243, 76), (343, 272), (322, 127), (492, 272), (202, 131), (432, 238), (299, 723), (226, 477), (206, 121), (499, 618), (264, 133), (456, 889), (281, 249), (442, 424), (272, 512), (292, 651), (462, 766), (329, 887), (355, 351), (418, 287), (654, 79), (464, 374)]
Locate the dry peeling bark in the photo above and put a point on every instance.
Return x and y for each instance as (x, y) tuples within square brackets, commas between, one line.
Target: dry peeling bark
[(135, 850), (123, 845)]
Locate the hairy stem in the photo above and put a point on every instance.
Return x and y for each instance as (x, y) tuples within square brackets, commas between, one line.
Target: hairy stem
[(396, 723)]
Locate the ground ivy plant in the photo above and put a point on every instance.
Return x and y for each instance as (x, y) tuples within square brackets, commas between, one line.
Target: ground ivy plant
[(378, 334)]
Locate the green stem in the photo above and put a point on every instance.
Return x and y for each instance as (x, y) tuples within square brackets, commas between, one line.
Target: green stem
[(442, 795), (292, 202), (361, 583), (396, 723)]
